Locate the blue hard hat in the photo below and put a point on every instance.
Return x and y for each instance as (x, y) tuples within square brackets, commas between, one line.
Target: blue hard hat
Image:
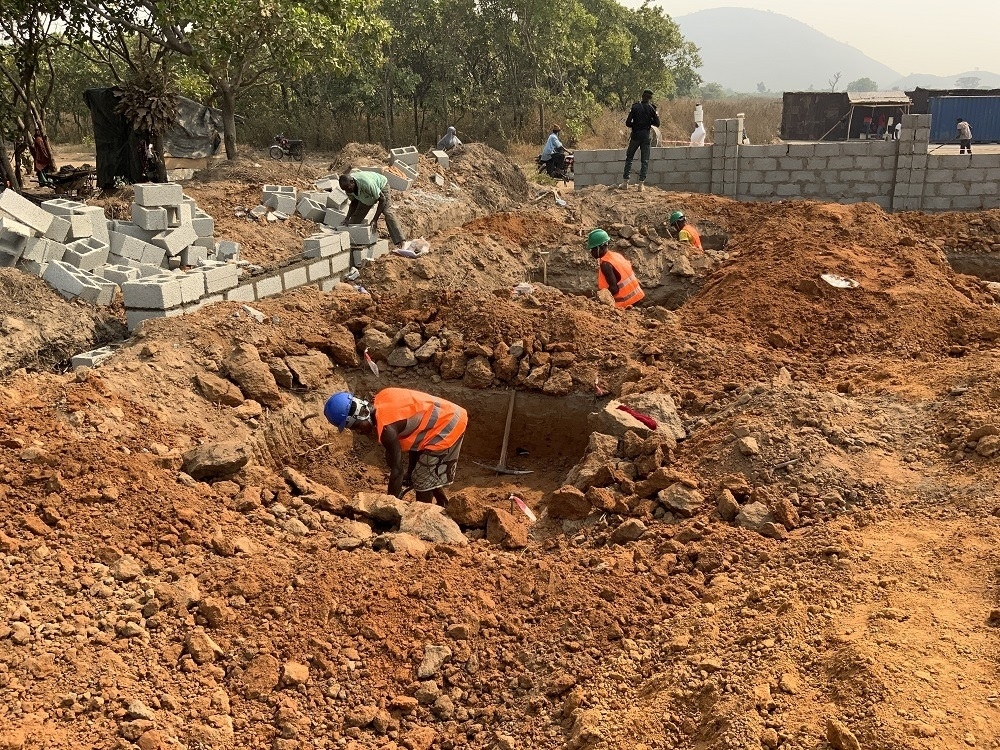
[(337, 408)]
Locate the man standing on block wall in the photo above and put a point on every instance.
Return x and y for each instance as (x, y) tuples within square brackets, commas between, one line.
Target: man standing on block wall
[(964, 137), (365, 189), (640, 119)]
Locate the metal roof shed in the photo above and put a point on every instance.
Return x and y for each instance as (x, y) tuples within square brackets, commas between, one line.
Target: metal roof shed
[(838, 115), (871, 111)]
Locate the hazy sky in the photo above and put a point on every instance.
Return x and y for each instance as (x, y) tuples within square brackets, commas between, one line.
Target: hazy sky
[(910, 36)]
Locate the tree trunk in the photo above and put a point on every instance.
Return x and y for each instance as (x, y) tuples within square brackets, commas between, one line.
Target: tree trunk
[(228, 101), (541, 119), (161, 166), (6, 175)]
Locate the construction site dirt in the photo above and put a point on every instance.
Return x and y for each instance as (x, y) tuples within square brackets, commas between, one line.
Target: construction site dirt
[(801, 555)]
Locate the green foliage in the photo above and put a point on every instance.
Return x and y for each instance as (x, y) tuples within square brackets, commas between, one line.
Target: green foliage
[(862, 85), (148, 101)]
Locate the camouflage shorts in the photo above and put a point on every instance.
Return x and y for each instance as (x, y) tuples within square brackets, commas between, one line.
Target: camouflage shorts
[(435, 470)]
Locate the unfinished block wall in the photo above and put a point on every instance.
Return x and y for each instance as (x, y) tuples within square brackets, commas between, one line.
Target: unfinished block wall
[(897, 175)]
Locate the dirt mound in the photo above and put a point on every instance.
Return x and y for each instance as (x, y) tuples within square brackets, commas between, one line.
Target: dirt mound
[(358, 155), (492, 181), (908, 300), (39, 329)]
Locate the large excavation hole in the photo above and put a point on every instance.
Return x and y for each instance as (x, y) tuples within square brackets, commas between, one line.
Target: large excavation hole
[(986, 266)]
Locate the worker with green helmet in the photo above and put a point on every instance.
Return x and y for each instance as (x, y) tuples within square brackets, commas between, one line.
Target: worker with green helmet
[(614, 272), (686, 232)]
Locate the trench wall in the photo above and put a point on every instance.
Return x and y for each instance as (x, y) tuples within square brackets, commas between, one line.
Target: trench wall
[(898, 175)]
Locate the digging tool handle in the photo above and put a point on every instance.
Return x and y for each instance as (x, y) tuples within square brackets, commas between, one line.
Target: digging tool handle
[(506, 430)]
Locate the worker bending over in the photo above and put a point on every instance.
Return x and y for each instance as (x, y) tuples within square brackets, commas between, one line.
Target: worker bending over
[(686, 232), (429, 428), (614, 272), (365, 189)]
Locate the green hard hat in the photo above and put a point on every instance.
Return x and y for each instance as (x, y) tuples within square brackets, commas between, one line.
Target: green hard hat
[(596, 238), (647, 91), (676, 216)]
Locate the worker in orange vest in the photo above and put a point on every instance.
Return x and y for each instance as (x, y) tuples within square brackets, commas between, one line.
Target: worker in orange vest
[(686, 232), (429, 428), (614, 272)]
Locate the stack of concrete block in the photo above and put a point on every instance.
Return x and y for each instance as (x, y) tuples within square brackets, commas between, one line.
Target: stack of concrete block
[(278, 202)]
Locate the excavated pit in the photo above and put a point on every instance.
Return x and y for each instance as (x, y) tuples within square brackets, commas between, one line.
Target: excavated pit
[(985, 266)]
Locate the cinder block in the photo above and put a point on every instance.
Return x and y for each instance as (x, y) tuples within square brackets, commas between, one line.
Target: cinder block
[(151, 219), (362, 234), (322, 245), (98, 222), (406, 154), (283, 202), (328, 182), (310, 210), (242, 293), (130, 229), (443, 159), (268, 286), (340, 262), (36, 249), (135, 317), (380, 248), (282, 189), (62, 207), (68, 280), (87, 253), (153, 194), (99, 291), (294, 277), (153, 293), (220, 276), (192, 285), (179, 215), (400, 176), (93, 358), (227, 250), (58, 230), (319, 269), (334, 217), (192, 255), (22, 210), (175, 240), (32, 267), (118, 274)]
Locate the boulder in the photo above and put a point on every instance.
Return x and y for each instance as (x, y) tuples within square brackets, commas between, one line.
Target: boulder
[(727, 507), (467, 511), (402, 356), (341, 346), (453, 364), (505, 530), (428, 349), (537, 376), (254, 378), (988, 446), (568, 502), (600, 449), (681, 499), (840, 737), (753, 516), (314, 493), (403, 544), (478, 373), (630, 531), (379, 344), (661, 408), (428, 522), (218, 390), (785, 513), (560, 383), (213, 460), (378, 506), (311, 370)]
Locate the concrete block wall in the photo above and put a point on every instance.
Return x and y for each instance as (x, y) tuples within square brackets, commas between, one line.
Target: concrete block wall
[(897, 175)]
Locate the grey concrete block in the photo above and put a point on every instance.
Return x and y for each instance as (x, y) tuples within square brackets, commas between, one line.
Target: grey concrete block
[(242, 293), (135, 318), (442, 158), (192, 255), (406, 154), (294, 277), (340, 262), (868, 162), (62, 207), (153, 293), (98, 222), (268, 286), (204, 225), (33, 267), (58, 230), (99, 291), (362, 234), (36, 249), (151, 219), (801, 149), (282, 189), (87, 253), (318, 269), (763, 164), (310, 210), (283, 202), (192, 285), (380, 248), (220, 278), (22, 210), (118, 274), (151, 194), (227, 250), (400, 176), (175, 240), (93, 358)]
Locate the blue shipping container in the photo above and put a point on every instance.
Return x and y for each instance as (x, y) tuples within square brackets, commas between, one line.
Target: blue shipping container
[(981, 112)]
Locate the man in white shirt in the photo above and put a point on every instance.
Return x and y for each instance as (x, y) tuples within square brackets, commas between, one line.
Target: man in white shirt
[(964, 137)]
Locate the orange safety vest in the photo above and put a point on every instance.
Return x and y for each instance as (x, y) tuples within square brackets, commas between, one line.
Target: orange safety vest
[(629, 291), (694, 236), (432, 424)]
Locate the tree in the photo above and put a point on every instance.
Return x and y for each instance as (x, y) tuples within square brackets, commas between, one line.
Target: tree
[(710, 91), (761, 88), (834, 81), (862, 85), (148, 101), (968, 82), (242, 44)]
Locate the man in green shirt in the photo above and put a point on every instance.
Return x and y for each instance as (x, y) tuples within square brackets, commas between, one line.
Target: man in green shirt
[(366, 189)]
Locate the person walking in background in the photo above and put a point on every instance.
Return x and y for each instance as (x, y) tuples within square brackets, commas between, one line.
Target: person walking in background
[(964, 137), (449, 140), (42, 156), (640, 119)]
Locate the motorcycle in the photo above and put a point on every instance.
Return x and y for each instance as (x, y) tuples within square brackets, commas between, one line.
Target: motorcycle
[(559, 166), (285, 147)]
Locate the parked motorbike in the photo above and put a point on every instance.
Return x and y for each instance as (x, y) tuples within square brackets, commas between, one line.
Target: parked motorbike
[(559, 166), (285, 147)]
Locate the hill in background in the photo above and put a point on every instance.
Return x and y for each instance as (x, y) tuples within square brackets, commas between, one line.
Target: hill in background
[(741, 47), (987, 80)]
